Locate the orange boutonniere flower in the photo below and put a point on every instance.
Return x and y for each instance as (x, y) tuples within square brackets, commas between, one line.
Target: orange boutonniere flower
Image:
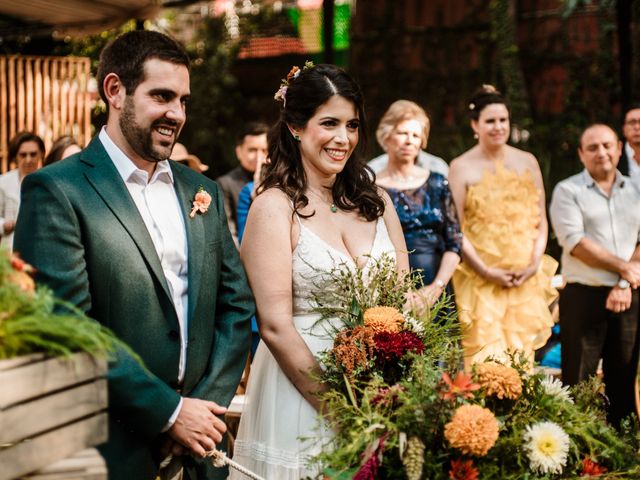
[(201, 202)]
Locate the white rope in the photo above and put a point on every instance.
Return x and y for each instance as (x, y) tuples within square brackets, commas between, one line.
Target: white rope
[(220, 459)]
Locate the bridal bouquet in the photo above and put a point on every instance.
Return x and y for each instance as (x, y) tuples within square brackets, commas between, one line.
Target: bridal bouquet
[(402, 406)]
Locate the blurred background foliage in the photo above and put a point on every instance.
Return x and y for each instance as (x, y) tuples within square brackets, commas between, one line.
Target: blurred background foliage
[(561, 64)]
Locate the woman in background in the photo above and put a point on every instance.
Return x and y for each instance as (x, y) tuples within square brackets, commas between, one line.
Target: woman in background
[(503, 287), (422, 199), (63, 147)]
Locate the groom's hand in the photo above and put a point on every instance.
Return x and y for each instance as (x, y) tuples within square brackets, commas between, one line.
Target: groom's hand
[(197, 426)]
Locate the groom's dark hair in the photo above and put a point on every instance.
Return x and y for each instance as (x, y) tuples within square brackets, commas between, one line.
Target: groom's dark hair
[(126, 55)]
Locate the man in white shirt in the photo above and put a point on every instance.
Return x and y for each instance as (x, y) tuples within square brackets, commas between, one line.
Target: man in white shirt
[(630, 159), (596, 219), (26, 150), (141, 244)]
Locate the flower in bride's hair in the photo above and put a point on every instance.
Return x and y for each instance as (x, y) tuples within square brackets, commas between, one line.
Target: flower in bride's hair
[(473, 430), (293, 73), (281, 94), (499, 380), (353, 348), (472, 106), (383, 319)]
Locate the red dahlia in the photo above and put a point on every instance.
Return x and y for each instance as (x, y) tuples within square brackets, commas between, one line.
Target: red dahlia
[(392, 346)]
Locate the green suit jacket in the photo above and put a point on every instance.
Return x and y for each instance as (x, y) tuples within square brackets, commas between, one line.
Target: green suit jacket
[(79, 227)]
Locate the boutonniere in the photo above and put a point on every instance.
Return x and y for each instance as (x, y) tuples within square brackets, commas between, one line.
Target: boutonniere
[(201, 202)]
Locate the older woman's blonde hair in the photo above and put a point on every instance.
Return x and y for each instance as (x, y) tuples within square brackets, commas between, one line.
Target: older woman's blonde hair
[(397, 112)]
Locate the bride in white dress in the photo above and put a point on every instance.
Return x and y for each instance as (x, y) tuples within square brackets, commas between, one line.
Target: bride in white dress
[(317, 208)]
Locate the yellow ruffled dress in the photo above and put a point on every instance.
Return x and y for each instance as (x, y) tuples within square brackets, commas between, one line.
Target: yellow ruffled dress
[(501, 218)]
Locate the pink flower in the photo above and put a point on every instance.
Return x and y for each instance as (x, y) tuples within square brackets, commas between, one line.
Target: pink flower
[(201, 202)]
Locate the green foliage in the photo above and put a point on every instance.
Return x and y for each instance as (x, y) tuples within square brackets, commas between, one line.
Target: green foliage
[(30, 322), (212, 114)]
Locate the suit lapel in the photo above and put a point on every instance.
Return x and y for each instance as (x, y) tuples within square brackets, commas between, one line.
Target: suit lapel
[(106, 180), (195, 236)]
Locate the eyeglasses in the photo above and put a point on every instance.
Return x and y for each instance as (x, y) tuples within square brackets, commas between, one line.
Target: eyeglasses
[(634, 122)]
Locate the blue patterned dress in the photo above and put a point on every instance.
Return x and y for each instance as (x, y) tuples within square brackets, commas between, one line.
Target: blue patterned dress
[(429, 223)]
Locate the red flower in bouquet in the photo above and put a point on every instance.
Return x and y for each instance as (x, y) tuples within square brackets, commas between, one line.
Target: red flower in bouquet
[(591, 468), (461, 386), (463, 470), (372, 460), (391, 347)]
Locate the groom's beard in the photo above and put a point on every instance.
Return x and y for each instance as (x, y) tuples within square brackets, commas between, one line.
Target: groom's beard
[(140, 138)]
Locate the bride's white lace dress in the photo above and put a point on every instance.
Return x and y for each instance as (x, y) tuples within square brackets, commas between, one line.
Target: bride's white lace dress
[(279, 430)]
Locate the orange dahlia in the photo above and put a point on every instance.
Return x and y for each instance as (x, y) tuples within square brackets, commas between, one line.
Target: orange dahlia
[(499, 380), (473, 430), (383, 319)]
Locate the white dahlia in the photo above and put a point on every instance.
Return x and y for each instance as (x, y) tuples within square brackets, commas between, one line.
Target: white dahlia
[(554, 387), (547, 446)]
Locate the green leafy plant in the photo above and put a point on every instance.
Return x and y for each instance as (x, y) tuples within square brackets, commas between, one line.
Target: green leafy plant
[(33, 320)]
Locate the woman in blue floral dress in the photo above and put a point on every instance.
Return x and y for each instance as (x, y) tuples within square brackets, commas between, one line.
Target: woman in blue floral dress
[(421, 198)]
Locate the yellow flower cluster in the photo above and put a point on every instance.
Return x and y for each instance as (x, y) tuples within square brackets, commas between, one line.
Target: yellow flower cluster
[(473, 430), (383, 319), (499, 380)]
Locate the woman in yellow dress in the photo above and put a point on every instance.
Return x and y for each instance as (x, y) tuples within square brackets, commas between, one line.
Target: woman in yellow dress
[(503, 287)]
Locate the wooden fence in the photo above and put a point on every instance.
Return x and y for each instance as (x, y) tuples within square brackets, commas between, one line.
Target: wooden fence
[(46, 95)]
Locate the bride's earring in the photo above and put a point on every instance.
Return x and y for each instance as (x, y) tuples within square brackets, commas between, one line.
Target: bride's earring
[(475, 135)]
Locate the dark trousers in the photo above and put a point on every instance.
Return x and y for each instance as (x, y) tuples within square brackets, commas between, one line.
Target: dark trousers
[(588, 332)]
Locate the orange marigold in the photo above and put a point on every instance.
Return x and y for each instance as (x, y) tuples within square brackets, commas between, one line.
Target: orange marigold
[(353, 347), (473, 430), (499, 380), (383, 319)]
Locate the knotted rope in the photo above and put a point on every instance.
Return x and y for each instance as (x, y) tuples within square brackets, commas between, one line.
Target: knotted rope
[(219, 460)]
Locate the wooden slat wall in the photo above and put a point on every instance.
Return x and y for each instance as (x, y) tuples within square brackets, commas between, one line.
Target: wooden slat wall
[(46, 95)]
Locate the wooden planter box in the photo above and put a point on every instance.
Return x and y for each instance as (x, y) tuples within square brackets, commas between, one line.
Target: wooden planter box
[(50, 409)]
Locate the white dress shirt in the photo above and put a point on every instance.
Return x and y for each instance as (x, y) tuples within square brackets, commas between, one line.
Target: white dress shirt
[(580, 209), (157, 202), (158, 205), (9, 203)]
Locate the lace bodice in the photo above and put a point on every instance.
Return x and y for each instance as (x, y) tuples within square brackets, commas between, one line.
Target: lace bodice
[(313, 256)]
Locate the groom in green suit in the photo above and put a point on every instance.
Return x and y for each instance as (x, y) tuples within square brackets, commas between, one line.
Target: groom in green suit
[(141, 244)]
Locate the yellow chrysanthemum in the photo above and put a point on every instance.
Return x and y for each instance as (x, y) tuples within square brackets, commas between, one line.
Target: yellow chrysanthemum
[(499, 380), (473, 430), (383, 319)]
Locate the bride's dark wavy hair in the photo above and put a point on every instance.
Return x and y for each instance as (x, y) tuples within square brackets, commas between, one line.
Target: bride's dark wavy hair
[(354, 188)]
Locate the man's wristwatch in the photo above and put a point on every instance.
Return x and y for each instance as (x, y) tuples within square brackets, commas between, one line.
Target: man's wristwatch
[(623, 284)]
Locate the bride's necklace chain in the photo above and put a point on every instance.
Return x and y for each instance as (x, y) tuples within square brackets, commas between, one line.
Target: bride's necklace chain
[(332, 206)]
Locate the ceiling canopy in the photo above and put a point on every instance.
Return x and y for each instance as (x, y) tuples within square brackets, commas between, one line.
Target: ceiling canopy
[(75, 17)]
